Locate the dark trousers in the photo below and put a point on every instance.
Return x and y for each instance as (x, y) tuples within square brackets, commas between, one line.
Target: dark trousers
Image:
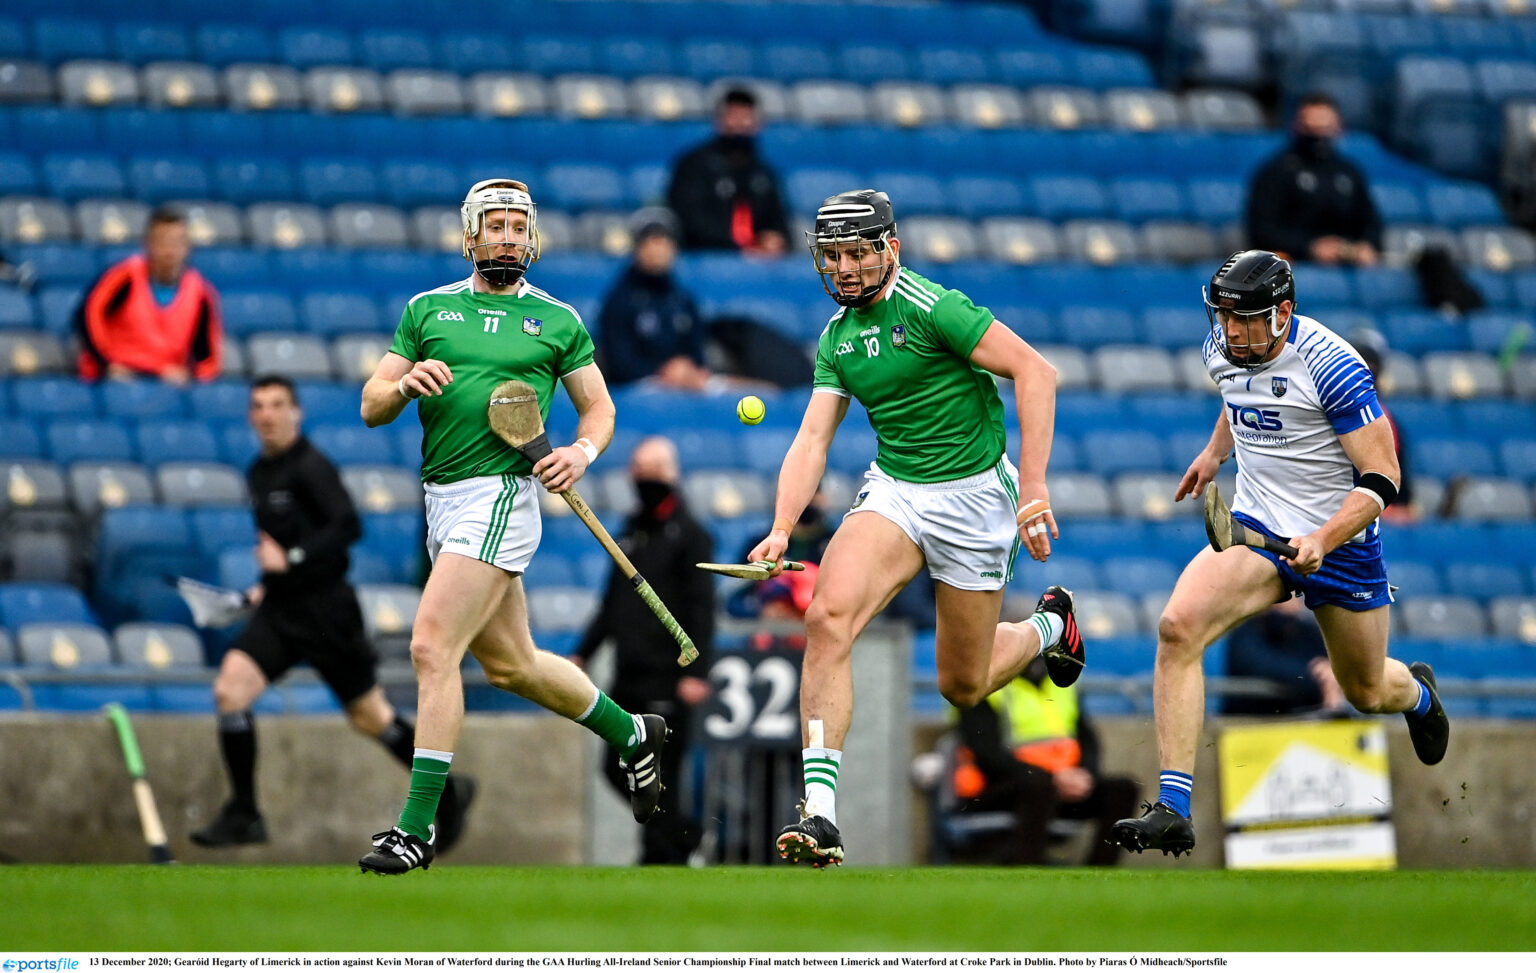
[(671, 835), (1031, 797)]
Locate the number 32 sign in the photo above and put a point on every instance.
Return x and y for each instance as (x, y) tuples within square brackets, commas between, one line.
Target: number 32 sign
[(756, 700)]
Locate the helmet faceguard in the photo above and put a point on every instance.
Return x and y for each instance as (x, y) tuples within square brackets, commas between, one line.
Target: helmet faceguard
[(857, 226), (504, 256), (1252, 284)]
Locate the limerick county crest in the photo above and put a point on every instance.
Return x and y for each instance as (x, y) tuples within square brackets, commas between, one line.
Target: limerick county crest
[(535, 326), (898, 335)]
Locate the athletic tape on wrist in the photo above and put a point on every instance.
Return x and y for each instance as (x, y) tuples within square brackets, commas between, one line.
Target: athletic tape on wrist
[(405, 392), (782, 524), (585, 445)]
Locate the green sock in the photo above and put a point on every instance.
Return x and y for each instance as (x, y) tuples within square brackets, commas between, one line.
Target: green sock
[(609, 720), (429, 772)]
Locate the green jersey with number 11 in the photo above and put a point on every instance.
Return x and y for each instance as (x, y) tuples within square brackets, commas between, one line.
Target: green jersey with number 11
[(906, 359), (485, 339)]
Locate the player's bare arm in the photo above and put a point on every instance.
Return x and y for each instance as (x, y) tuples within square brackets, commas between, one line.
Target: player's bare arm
[(1203, 469), (1004, 353), (396, 382), (595, 414), (800, 474), (1370, 448)]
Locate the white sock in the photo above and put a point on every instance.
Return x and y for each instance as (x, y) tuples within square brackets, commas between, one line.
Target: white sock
[(1048, 627), (821, 766)]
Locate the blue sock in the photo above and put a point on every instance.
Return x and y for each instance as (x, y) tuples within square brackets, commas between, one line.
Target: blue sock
[(1174, 788), (1422, 706)]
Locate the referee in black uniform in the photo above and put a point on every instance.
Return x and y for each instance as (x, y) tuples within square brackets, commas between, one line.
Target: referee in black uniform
[(306, 612)]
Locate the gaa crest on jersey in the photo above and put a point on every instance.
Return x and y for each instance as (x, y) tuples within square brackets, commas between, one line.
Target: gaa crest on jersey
[(535, 327), (898, 335), (1278, 385)]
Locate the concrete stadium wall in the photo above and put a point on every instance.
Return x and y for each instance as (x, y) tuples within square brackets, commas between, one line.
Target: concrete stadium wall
[(324, 789)]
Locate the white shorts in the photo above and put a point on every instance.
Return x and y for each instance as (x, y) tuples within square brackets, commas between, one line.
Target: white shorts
[(494, 519), (965, 528)]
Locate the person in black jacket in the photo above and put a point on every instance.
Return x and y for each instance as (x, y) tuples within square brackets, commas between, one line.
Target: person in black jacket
[(650, 327), (305, 612), (725, 195), (664, 541), (1284, 646), (1311, 203)]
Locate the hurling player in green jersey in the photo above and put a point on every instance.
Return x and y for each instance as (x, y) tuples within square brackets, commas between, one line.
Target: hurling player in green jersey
[(941, 492), (453, 346)]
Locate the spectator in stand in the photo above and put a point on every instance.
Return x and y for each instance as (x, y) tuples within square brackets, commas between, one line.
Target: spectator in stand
[(650, 327), (1311, 203), (723, 192), (152, 315), (1284, 646)]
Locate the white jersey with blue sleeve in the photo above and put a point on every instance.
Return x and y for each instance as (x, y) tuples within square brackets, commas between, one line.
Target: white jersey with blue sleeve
[(1286, 418)]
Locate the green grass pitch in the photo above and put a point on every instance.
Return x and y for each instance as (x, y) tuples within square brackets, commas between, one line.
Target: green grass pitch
[(181, 908)]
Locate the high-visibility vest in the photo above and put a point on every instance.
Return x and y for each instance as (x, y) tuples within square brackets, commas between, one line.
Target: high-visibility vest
[(1040, 727), (129, 327)]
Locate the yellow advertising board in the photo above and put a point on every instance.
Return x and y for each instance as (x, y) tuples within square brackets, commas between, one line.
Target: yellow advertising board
[(1313, 795)]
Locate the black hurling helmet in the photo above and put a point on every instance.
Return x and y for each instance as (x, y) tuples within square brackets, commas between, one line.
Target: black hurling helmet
[(1251, 282), (501, 263), (862, 214)]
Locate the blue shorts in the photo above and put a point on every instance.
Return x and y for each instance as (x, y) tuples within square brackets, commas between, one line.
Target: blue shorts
[(1352, 577)]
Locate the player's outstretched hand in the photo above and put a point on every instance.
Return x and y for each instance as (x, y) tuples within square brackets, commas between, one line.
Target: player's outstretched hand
[(771, 548), (426, 377), (1309, 554), (1201, 472), (1036, 523), (560, 470)]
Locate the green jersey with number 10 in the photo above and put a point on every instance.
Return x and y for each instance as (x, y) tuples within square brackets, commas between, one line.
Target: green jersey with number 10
[(906, 359), (485, 339)]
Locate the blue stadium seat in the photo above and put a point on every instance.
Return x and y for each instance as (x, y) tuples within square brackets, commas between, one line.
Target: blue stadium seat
[(1518, 458), (1453, 457), (19, 439), (219, 45), (1138, 199), (18, 177), (306, 47), (789, 61), (1093, 326), (1414, 578), (1069, 197), (470, 52), (398, 539), (1500, 81), (582, 186), (1397, 202), (1216, 201), (242, 180), (868, 63), (329, 402), (346, 444), (336, 312), (73, 177), (1318, 285), (1416, 332), (708, 59), (14, 41), (45, 128), (1080, 412), (1458, 204), (53, 397), (158, 179), (420, 182), (29, 603), (983, 196), (326, 182), (1483, 580), (247, 312), (1138, 576), (1490, 331), (954, 65), (1123, 656), (312, 267), (1109, 452), (804, 189), (237, 443), (393, 50), (215, 529), (224, 399), (141, 43), (172, 441), (1382, 287), (1074, 572), (101, 440), (634, 57), (55, 40), (17, 312), (552, 55), (142, 399), (1104, 68)]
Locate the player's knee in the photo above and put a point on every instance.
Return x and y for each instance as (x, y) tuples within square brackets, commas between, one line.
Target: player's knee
[(1177, 635), (429, 657), (1367, 697), (229, 694), (827, 627), (961, 689)]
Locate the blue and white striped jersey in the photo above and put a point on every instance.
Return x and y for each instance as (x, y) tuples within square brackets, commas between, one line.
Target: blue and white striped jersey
[(1286, 417)]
